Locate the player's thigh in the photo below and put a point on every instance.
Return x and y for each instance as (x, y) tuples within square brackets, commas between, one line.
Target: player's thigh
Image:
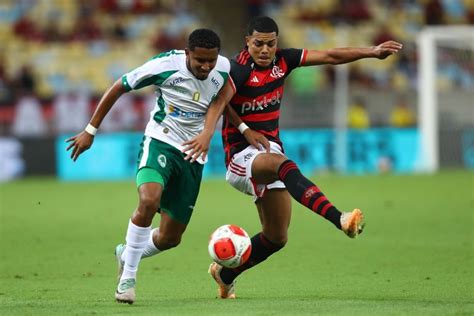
[(242, 173), (149, 194), (180, 195), (155, 162), (265, 167), (275, 214), (155, 168)]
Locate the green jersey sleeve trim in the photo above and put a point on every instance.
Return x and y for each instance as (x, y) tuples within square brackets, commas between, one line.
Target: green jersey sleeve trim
[(225, 76), (157, 79), (167, 54), (125, 83)]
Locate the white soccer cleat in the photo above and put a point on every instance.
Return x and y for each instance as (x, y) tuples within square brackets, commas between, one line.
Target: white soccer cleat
[(224, 290), (125, 292), (120, 263), (352, 223)]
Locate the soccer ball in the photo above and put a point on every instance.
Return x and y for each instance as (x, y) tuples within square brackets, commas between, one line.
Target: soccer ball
[(230, 246)]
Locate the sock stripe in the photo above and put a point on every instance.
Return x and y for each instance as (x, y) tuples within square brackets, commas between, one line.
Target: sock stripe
[(317, 204), (285, 165), (285, 168), (325, 209)]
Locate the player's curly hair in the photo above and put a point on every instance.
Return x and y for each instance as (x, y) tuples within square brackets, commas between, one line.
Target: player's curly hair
[(262, 24), (204, 38)]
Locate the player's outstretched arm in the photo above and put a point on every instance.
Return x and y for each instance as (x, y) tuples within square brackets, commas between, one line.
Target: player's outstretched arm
[(199, 145), (335, 56), (83, 141)]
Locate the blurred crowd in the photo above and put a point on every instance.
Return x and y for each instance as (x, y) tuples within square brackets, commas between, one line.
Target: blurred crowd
[(59, 55), (330, 23)]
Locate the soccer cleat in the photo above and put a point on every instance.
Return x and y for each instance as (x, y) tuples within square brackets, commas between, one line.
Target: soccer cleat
[(120, 263), (125, 292), (352, 223), (224, 290)]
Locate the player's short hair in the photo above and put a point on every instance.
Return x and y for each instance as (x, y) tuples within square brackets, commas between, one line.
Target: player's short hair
[(204, 38), (262, 24)]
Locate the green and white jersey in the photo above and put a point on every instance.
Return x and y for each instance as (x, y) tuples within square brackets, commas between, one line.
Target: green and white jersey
[(182, 99)]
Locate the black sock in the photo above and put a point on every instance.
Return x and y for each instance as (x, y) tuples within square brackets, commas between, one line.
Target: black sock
[(307, 193), (262, 248)]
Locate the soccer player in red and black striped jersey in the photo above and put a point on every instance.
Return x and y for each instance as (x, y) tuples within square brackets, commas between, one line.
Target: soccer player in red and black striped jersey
[(255, 159)]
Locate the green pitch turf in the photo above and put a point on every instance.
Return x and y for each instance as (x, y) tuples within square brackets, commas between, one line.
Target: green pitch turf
[(415, 257)]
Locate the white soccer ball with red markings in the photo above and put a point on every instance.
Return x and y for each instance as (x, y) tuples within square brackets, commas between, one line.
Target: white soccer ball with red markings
[(230, 246)]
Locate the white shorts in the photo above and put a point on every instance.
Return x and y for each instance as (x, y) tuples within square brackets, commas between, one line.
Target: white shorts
[(239, 171)]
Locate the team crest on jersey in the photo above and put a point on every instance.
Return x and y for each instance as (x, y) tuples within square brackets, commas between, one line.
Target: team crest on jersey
[(277, 72), (162, 160)]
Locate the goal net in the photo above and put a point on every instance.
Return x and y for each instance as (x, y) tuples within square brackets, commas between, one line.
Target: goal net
[(446, 97)]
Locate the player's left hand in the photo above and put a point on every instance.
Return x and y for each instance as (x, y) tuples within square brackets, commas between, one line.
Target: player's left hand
[(197, 147), (386, 49), (256, 139)]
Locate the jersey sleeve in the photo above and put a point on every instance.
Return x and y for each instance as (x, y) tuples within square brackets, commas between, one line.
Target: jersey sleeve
[(223, 67), (294, 57), (153, 72), (238, 74)]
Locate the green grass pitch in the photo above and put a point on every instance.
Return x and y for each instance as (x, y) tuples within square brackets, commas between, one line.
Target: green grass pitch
[(415, 257)]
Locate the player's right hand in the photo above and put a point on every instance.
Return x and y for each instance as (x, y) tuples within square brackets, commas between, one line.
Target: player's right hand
[(386, 49), (256, 139), (79, 143)]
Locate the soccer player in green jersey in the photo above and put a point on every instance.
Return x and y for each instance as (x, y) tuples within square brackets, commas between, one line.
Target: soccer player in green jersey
[(169, 172)]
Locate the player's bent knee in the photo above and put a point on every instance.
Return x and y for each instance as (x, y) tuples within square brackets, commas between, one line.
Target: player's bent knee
[(149, 202), (168, 243), (265, 167), (272, 160)]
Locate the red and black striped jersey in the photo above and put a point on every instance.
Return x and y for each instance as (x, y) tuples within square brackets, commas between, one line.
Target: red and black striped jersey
[(258, 96)]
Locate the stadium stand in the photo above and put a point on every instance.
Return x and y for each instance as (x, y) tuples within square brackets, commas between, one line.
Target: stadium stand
[(86, 44)]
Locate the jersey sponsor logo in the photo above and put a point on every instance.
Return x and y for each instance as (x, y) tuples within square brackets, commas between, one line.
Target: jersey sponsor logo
[(175, 85), (254, 106), (181, 90), (277, 72), (162, 160), (176, 81), (215, 82), (196, 96), (177, 112), (255, 79)]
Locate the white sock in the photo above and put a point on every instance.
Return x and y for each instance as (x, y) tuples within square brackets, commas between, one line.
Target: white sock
[(136, 239), (150, 248)]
